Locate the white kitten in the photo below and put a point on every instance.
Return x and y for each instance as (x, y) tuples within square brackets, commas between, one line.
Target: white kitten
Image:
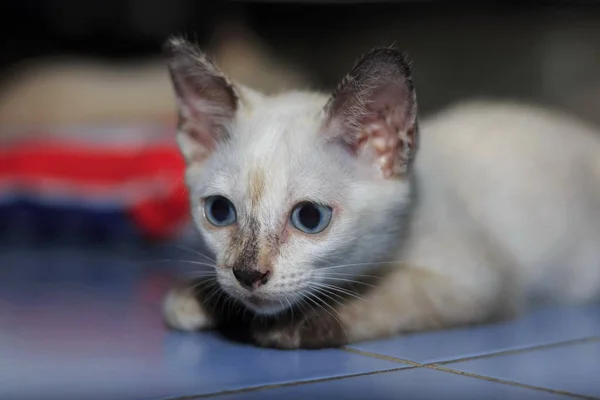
[(318, 203)]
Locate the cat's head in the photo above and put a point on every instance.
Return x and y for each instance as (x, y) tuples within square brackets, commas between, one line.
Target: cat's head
[(296, 193)]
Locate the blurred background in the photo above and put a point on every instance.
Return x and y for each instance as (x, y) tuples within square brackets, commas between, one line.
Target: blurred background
[(94, 224), (86, 109)]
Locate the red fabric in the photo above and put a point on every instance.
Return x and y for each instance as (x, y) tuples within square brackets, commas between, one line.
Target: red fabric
[(85, 163), (162, 218), (93, 169)]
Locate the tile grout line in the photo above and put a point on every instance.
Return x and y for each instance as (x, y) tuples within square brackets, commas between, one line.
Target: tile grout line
[(379, 356), (288, 384), (509, 383), (439, 366), (456, 360), (521, 350)]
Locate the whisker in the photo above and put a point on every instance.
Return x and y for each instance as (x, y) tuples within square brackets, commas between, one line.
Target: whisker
[(301, 303), (327, 293), (313, 297), (199, 253), (324, 309), (181, 261), (201, 272), (290, 305), (309, 296), (342, 290), (230, 304), (357, 265), (327, 257), (338, 289), (205, 284), (204, 279), (221, 300), (194, 275), (350, 274), (320, 291), (307, 303), (196, 263), (282, 306), (213, 294), (197, 275), (351, 281)]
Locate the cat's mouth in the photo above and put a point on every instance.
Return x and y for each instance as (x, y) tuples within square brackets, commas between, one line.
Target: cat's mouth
[(260, 301)]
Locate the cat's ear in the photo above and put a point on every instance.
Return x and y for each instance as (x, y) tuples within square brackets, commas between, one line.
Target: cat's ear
[(206, 100), (373, 111)]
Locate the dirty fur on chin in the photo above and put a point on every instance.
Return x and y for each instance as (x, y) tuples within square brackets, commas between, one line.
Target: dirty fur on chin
[(326, 228)]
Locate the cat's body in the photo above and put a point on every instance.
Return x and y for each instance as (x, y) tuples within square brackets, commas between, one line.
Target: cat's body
[(319, 204), (526, 178)]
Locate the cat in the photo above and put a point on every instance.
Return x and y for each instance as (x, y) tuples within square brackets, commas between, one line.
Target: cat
[(344, 218)]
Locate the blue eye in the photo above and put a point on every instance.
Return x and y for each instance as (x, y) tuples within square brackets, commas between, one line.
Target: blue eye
[(219, 211), (311, 218)]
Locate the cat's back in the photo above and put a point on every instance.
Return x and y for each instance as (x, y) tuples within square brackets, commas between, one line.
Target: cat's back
[(487, 128), (529, 176), (511, 147)]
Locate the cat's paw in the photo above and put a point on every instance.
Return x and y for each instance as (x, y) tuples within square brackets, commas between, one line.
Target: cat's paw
[(282, 338), (183, 311), (314, 332)]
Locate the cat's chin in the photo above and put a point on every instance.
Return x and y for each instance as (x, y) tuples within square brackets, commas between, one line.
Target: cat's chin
[(263, 306)]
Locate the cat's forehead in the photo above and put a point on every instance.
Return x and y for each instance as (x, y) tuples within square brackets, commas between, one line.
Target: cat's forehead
[(276, 132), (275, 155), (287, 120)]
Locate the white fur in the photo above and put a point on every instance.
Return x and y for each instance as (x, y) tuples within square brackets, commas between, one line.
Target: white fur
[(526, 180), (182, 311)]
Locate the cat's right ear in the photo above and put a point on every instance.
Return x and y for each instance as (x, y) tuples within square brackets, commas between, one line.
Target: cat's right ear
[(373, 112), (206, 100)]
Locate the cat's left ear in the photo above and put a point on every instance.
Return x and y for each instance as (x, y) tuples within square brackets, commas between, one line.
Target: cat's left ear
[(374, 112), (206, 100)]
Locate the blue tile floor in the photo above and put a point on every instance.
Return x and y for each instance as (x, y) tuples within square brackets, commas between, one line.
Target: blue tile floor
[(86, 324)]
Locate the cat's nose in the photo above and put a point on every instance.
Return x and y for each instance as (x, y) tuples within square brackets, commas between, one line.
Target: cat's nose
[(251, 278)]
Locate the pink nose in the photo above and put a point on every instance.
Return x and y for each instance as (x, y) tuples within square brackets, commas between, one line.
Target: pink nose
[(251, 278)]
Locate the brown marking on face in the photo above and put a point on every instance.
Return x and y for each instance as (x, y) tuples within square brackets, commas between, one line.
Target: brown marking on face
[(267, 251), (252, 251), (256, 185), (244, 245)]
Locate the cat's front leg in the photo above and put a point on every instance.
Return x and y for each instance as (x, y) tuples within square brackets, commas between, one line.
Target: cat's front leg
[(185, 310)]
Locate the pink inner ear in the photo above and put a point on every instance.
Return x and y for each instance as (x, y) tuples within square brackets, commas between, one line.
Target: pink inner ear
[(203, 122), (195, 125), (387, 134)]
